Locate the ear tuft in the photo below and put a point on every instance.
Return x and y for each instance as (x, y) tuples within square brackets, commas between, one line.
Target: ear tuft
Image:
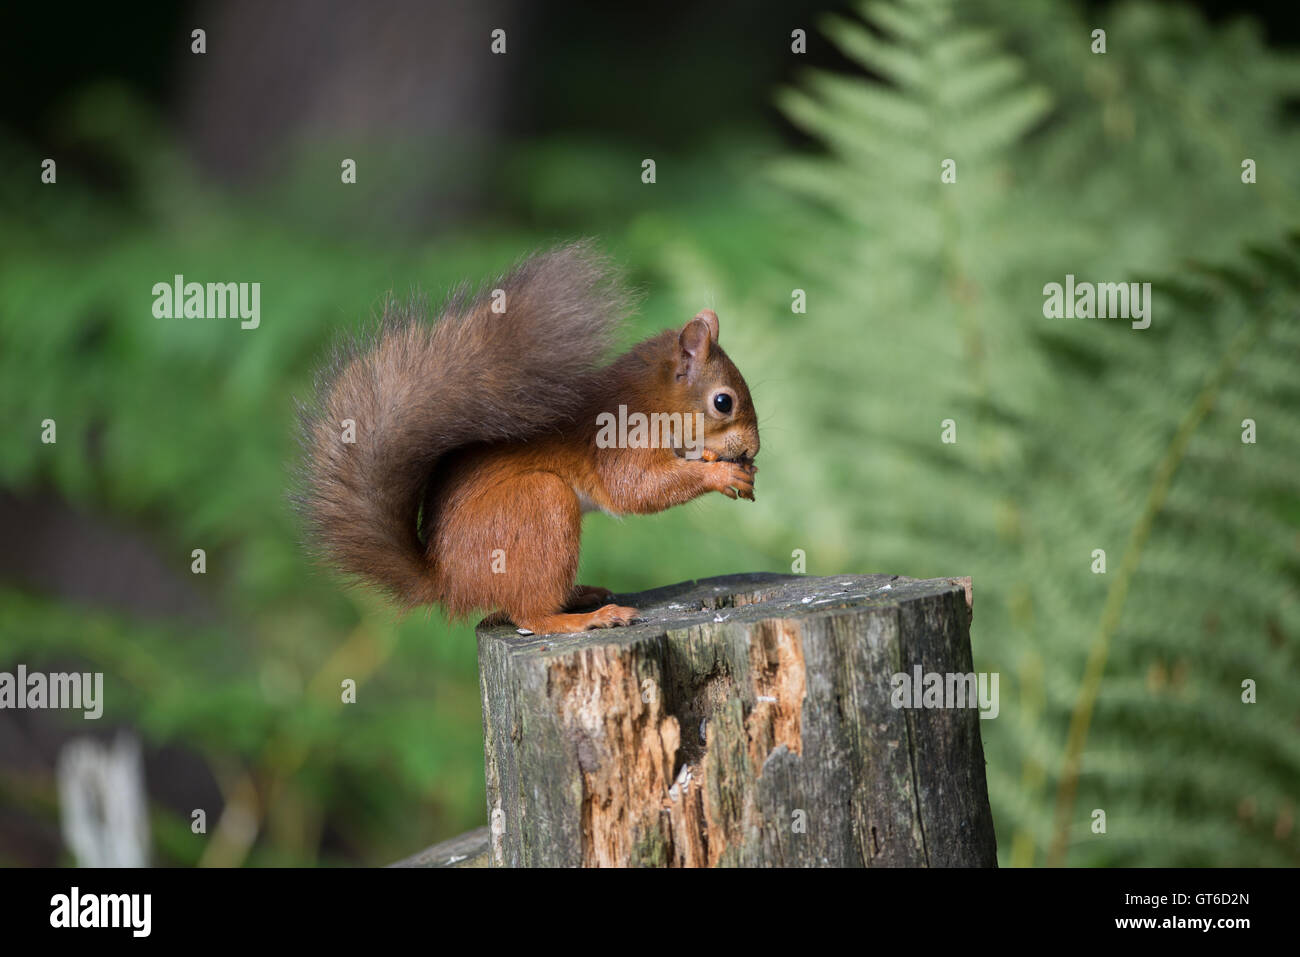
[(710, 319)]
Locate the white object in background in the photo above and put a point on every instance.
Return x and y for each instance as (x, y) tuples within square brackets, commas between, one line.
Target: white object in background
[(102, 805)]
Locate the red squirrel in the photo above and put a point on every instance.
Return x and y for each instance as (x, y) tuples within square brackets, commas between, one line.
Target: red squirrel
[(451, 461)]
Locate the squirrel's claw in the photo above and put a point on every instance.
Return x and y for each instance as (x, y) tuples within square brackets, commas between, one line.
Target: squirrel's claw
[(733, 479)]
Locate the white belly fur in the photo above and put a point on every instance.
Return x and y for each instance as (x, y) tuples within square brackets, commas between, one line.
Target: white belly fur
[(587, 505)]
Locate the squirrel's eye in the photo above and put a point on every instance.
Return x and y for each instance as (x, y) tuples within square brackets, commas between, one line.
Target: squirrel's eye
[(722, 402)]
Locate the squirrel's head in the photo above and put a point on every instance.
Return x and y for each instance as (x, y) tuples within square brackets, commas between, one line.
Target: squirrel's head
[(709, 383)]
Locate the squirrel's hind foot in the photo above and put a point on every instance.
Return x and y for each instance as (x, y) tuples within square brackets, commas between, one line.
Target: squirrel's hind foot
[(610, 616)]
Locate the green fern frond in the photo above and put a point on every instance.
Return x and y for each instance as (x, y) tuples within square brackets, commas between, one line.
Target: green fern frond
[(1121, 691)]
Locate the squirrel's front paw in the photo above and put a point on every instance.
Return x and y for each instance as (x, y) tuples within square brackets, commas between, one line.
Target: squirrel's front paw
[(584, 596), (732, 479)]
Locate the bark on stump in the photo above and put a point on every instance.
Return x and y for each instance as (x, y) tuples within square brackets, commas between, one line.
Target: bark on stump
[(748, 721)]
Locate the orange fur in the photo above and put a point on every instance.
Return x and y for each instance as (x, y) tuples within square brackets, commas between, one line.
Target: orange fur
[(489, 423)]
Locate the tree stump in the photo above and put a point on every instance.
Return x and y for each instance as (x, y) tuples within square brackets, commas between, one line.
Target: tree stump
[(749, 720)]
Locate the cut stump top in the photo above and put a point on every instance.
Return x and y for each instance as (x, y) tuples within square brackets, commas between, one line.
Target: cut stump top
[(751, 596)]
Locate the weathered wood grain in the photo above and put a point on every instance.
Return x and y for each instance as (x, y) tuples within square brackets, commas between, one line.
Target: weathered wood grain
[(747, 721)]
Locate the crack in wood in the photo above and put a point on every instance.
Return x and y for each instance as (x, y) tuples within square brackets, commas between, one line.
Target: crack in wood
[(640, 793)]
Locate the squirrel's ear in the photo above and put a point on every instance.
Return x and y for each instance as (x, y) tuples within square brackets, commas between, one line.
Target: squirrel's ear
[(694, 342)]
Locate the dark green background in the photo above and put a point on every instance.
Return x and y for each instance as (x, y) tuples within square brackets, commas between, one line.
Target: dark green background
[(775, 172)]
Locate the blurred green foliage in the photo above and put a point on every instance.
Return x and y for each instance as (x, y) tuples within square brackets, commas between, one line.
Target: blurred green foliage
[(1120, 691), (924, 304)]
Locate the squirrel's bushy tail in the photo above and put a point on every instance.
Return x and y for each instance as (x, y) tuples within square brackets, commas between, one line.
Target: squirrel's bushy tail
[(416, 389)]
